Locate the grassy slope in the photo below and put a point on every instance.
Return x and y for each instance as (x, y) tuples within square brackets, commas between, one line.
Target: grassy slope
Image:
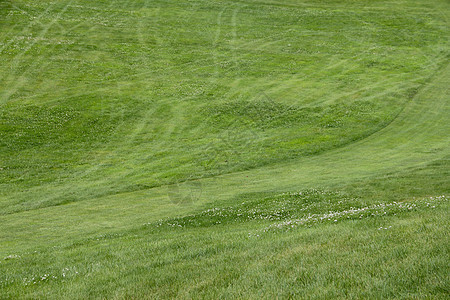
[(398, 162), (401, 147), (89, 84)]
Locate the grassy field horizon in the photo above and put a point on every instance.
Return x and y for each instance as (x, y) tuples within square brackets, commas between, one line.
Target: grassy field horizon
[(224, 149)]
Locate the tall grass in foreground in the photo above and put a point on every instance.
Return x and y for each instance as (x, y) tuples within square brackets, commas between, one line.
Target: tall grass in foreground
[(310, 244)]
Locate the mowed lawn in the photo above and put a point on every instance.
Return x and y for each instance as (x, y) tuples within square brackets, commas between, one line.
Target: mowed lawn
[(224, 149)]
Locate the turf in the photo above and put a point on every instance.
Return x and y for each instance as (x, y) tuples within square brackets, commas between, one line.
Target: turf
[(159, 148)]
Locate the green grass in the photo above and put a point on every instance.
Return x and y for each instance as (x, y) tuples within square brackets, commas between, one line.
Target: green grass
[(161, 149), (392, 250)]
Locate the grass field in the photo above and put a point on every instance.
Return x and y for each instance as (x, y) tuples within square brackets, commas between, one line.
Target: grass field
[(224, 149)]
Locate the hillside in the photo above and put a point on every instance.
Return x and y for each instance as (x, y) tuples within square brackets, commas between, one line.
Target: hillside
[(224, 149)]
